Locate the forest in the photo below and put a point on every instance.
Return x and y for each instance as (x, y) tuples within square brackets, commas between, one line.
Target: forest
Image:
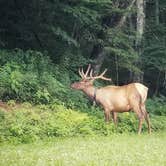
[(43, 43), (127, 37)]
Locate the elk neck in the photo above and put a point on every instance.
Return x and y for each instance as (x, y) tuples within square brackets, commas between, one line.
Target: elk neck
[(90, 91)]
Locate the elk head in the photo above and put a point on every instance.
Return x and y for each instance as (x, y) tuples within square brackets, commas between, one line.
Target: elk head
[(86, 80)]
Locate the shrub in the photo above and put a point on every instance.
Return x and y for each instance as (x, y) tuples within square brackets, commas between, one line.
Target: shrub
[(28, 123), (31, 76), (157, 105)]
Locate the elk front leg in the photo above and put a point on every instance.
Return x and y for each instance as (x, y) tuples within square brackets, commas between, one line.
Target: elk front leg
[(114, 117), (107, 115)]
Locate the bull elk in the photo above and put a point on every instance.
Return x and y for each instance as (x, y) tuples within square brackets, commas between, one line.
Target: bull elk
[(115, 99)]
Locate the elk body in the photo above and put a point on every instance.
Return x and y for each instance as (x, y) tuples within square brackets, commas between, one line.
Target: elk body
[(115, 99)]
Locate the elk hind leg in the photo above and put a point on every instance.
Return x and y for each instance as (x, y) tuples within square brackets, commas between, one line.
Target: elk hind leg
[(114, 117), (146, 115), (140, 116)]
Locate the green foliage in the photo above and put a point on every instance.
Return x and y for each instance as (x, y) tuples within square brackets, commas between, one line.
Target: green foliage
[(155, 62), (27, 123), (60, 33), (157, 106), (70, 31), (29, 76), (119, 45)]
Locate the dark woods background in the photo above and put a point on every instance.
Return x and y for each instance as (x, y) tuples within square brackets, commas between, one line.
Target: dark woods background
[(44, 42)]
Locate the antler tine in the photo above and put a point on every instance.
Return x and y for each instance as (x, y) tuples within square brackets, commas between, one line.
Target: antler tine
[(91, 72), (101, 76), (89, 66), (107, 79), (103, 72), (80, 73), (83, 74)]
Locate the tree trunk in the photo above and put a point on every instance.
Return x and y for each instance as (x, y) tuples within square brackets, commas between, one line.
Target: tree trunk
[(157, 84), (157, 11), (139, 36), (157, 23), (140, 23), (101, 55), (99, 61), (117, 70), (132, 28), (164, 82)]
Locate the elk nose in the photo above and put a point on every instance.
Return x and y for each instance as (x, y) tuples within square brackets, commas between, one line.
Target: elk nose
[(72, 85)]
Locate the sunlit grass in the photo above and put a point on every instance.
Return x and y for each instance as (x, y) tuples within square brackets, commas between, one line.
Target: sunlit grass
[(116, 150)]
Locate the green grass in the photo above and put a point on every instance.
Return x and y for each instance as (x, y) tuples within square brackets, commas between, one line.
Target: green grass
[(115, 150)]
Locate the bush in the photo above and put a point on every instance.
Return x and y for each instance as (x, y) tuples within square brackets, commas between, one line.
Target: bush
[(157, 105), (31, 76), (22, 75), (28, 123)]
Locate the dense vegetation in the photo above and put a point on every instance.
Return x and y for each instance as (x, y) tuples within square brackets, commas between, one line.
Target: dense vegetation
[(27, 123), (60, 111), (44, 42), (74, 33)]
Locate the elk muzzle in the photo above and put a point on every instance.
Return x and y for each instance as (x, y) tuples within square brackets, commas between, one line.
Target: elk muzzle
[(75, 85)]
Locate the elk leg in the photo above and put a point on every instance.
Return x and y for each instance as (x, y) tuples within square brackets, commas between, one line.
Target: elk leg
[(146, 115), (140, 115), (114, 117), (140, 124), (107, 115)]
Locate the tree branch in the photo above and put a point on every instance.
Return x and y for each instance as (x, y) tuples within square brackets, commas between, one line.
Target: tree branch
[(123, 19)]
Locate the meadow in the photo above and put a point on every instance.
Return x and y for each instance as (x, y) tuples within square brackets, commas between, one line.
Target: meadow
[(53, 135), (114, 150)]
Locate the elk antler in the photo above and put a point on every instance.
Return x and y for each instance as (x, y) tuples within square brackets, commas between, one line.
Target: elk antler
[(85, 75), (82, 74), (101, 76)]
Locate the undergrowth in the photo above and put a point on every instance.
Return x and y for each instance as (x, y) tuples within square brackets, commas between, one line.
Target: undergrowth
[(29, 123), (59, 111)]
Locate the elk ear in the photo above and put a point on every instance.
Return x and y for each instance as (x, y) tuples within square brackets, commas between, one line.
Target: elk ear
[(91, 80)]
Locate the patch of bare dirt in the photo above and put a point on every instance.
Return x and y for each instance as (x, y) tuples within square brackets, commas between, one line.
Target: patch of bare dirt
[(6, 107)]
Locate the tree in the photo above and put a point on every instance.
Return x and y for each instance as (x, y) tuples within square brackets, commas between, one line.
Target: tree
[(140, 22)]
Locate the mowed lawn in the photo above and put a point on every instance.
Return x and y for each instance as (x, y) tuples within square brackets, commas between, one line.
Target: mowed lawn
[(116, 150)]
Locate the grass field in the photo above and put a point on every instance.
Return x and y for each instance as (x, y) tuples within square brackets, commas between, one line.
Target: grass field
[(116, 150)]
